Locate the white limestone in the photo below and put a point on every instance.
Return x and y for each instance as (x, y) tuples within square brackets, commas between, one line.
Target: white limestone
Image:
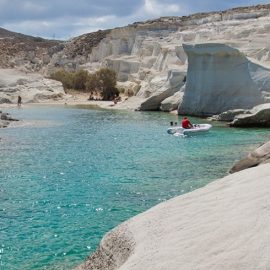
[(259, 156), (158, 90), (259, 116), (224, 226), (171, 103), (221, 78), (32, 87), (146, 53)]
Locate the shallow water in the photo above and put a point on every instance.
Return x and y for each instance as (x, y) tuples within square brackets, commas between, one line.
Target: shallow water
[(69, 175)]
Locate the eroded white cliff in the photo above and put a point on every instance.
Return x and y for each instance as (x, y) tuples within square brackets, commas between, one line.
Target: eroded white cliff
[(144, 53), (32, 87), (221, 78)]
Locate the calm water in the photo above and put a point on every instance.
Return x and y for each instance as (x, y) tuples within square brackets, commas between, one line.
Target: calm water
[(73, 174)]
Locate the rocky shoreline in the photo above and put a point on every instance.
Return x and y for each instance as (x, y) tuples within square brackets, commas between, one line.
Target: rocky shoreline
[(6, 119)]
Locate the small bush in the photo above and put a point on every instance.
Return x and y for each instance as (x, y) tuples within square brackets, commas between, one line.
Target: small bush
[(66, 78), (80, 79), (106, 80), (103, 82)]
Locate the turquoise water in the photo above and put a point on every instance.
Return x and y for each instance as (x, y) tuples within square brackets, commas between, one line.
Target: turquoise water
[(73, 174)]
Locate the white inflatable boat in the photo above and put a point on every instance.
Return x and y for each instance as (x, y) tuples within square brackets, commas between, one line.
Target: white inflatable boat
[(199, 128)]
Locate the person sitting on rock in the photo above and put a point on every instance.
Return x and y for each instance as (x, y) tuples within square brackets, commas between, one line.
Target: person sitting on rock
[(186, 123)]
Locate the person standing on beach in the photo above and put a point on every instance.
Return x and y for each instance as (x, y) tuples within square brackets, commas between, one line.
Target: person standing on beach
[(186, 123), (19, 103)]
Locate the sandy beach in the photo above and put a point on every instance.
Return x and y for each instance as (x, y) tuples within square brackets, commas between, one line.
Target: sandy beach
[(76, 99)]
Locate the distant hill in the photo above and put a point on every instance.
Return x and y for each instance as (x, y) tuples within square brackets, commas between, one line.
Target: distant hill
[(18, 50)]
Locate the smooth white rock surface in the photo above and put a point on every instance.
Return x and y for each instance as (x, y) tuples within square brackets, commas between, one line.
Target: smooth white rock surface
[(221, 78), (224, 226), (257, 116)]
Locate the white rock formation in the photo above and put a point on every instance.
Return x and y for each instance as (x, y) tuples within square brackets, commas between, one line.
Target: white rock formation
[(227, 116), (224, 226), (221, 78), (259, 116), (32, 87), (259, 156), (171, 103), (145, 53), (158, 90)]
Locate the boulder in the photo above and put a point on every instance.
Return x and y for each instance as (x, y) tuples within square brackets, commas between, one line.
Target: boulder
[(159, 90), (171, 103), (259, 156), (259, 116), (228, 115), (221, 78), (5, 119)]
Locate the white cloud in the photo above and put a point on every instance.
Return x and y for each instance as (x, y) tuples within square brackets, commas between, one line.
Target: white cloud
[(28, 6), (64, 18), (153, 7)]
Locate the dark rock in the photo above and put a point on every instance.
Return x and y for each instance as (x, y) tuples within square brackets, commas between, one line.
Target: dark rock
[(5, 100)]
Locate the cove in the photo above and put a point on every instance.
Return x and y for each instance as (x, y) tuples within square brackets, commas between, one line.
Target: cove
[(69, 175)]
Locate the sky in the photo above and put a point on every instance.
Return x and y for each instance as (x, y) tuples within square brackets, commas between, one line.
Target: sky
[(64, 19)]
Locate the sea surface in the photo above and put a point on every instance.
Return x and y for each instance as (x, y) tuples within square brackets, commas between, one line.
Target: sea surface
[(68, 175)]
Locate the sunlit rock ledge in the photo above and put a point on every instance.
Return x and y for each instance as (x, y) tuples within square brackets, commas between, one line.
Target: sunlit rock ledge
[(32, 87), (224, 225)]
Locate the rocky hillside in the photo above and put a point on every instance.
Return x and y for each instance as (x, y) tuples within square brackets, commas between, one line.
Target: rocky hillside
[(27, 52)]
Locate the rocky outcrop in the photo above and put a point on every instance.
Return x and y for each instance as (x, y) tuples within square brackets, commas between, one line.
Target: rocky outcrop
[(31, 87), (227, 116), (221, 226), (171, 103), (259, 116), (5, 119), (160, 91), (26, 52), (112, 252), (259, 156), (221, 78)]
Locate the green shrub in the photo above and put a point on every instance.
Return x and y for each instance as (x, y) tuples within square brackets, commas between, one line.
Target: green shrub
[(106, 80), (92, 83), (103, 82), (66, 78), (80, 79)]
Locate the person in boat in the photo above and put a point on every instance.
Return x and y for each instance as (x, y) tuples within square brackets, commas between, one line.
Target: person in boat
[(186, 123)]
